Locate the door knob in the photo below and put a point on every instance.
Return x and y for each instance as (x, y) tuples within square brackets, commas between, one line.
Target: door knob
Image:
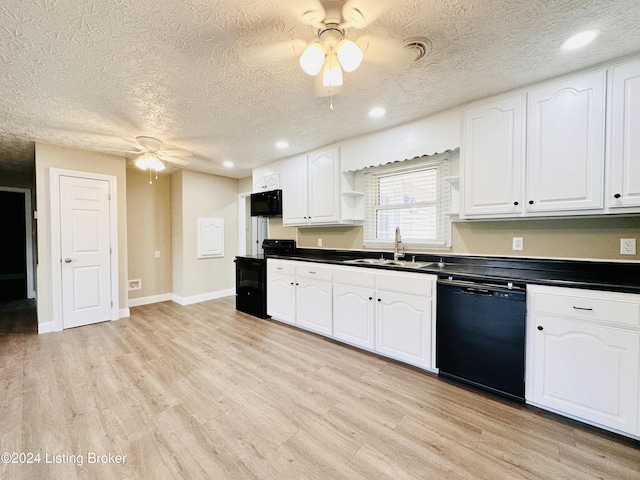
[(67, 260)]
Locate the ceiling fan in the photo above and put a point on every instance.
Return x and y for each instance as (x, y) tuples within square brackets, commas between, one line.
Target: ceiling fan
[(150, 155), (331, 52)]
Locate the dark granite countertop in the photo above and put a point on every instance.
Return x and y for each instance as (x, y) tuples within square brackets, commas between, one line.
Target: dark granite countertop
[(596, 275)]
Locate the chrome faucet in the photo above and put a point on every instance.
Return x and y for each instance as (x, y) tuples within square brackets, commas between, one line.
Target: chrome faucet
[(398, 244)]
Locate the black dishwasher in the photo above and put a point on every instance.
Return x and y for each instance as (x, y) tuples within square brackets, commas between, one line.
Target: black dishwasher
[(480, 334)]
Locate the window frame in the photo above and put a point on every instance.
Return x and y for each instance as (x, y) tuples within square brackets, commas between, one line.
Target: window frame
[(443, 201)]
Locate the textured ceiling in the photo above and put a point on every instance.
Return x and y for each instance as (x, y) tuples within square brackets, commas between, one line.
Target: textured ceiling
[(94, 74)]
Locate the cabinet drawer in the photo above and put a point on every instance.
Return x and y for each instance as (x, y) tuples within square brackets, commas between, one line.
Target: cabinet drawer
[(594, 308), (313, 270), (412, 283), (354, 276), (284, 267)]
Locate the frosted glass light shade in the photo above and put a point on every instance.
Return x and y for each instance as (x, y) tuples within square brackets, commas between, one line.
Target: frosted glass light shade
[(332, 76), (312, 59), (349, 54), (149, 161)]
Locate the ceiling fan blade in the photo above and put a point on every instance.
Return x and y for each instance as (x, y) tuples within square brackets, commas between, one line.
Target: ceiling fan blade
[(176, 153), (177, 161), (387, 52), (276, 52), (308, 12), (361, 13)]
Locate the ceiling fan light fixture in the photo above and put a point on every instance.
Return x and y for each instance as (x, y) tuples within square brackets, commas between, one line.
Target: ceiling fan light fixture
[(149, 161), (332, 75), (312, 59), (349, 55)]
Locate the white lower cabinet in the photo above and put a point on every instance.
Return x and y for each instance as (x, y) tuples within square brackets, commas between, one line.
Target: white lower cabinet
[(313, 305), (404, 317), (299, 293), (353, 306), (583, 355), (281, 290), (391, 313)]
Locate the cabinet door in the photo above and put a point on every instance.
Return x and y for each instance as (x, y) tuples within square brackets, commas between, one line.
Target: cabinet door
[(313, 305), (403, 327), (493, 158), (281, 297), (353, 315), (324, 186), (566, 145), (294, 192), (624, 137), (587, 371)]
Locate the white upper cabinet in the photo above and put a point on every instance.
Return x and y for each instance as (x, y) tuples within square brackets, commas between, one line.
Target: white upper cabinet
[(294, 191), (266, 177), (324, 186), (493, 157), (624, 136), (565, 161), (311, 189)]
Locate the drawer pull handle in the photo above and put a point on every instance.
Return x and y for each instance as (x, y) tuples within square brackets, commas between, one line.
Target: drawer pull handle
[(279, 268), (583, 308), (312, 272)]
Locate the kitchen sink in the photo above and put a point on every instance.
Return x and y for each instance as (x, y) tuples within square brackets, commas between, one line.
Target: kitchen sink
[(384, 262)]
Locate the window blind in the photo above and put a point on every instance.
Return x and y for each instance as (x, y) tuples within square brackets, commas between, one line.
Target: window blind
[(414, 198)]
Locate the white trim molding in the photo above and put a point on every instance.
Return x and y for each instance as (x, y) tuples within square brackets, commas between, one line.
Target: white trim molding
[(203, 297)]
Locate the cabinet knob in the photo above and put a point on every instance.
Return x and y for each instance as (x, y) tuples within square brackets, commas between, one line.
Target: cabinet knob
[(516, 203), (617, 195), (530, 202), (540, 327), (370, 298)]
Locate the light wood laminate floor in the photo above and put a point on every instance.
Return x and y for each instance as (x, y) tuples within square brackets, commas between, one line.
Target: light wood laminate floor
[(205, 392)]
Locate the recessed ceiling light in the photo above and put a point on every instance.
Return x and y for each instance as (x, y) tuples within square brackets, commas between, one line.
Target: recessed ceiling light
[(580, 39), (228, 163), (377, 112), (282, 145)]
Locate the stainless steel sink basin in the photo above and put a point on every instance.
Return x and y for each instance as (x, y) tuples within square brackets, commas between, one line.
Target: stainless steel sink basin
[(388, 263)]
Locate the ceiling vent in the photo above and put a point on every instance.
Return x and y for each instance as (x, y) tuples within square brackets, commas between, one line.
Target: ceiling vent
[(420, 46)]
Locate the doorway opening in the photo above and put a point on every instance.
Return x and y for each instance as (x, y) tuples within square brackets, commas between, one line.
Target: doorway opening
[(17, 269)]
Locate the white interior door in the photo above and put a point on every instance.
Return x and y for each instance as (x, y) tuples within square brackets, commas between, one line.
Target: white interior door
[(85, 251)]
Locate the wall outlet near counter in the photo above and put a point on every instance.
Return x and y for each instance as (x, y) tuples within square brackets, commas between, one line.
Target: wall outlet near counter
[(627, 246), (319, 242), (518, 243)]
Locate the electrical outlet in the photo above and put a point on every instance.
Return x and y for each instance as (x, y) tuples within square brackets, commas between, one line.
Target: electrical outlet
[(319, 242), (627, 246), (518, 243), (157, 253)]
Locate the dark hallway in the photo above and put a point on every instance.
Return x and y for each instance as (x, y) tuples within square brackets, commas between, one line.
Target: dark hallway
[(13, 268)]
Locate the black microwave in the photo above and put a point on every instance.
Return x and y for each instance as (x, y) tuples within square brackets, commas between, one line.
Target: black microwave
[(266, 204)]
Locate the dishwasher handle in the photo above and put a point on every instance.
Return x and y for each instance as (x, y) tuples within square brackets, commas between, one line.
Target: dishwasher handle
[(477, 291)]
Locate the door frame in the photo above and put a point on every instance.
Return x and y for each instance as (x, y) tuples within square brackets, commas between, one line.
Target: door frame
[(56, 257), (28, 221)]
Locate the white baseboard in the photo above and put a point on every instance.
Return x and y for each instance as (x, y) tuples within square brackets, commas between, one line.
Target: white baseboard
[(46, 327), (124, 313), (136, 302), (203, 297)]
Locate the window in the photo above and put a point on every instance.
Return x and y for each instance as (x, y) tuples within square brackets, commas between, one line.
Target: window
[(412, 195)]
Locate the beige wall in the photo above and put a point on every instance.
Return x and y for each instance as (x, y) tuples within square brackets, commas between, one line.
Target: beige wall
[(584, 238), (149, 230), (50, 156), (197, 195)]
